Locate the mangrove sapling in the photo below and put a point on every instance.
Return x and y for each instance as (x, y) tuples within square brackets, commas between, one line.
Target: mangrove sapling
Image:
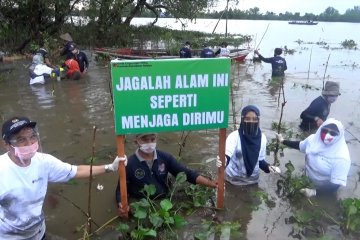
[(290, 185), (182, 143), (309, 64), (88, 223), (276, 159), (327, 63), (351, 214)]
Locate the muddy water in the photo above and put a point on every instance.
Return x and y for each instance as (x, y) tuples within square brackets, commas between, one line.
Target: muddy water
[(67, 111)]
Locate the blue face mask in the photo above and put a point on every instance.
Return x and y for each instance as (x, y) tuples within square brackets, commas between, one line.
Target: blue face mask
[(331, 99)]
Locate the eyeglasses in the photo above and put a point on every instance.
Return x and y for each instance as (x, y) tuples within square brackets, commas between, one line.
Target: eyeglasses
[(22, 140), (331, 132)]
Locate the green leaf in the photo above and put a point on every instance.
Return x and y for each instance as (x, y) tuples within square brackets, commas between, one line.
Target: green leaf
[(140, 213), (150, 189), (180, 178), (156, 220), (166, 204), (144, 203), (122, 227), (352, 210), (179, 221)]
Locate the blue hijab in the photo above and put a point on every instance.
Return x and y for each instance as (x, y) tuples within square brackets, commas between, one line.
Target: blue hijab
[(250, 145)]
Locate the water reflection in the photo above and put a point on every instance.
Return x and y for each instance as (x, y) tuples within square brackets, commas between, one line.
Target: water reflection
[(45, 97)]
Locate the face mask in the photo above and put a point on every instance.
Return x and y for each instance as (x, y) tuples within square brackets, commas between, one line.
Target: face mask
[(147, 147), (26, 152), (331, 99), (327, 138), (251, 128)]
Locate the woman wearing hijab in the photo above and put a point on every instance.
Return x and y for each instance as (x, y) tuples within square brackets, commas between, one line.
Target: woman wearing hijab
[(246, 150), (327, 158)]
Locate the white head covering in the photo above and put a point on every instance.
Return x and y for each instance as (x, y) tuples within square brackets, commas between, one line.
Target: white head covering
[(337, 149)]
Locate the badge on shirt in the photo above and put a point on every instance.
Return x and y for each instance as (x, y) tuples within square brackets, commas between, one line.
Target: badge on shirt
[(139, 173), (161, 168)]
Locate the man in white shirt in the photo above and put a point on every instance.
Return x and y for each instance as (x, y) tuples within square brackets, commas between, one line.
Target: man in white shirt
[(24, 177)]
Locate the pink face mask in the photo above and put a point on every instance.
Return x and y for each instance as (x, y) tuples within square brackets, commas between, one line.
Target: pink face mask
[(26, 152)]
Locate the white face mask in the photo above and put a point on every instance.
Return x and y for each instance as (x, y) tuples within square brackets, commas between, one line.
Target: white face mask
[(147, 147), (331, 99)]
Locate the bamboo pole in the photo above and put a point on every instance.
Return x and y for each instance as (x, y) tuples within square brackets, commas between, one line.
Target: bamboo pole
[(221, 170), (309, 64), (120, 142)]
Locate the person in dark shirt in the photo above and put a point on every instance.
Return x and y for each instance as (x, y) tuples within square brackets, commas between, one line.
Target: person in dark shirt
[(207, 52), (151, 166), (318, 111), (185, 51), (82, 59), (278, 63)]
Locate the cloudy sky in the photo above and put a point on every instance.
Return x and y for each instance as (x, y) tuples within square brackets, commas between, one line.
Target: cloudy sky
[(302, 6)]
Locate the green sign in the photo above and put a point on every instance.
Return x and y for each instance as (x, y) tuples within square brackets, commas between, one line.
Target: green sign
[(170, 94)]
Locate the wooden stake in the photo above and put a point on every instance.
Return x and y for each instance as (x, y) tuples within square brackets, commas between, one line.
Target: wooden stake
[(221, 170), (122, 173)]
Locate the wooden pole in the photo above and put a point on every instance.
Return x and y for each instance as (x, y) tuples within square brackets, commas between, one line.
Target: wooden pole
[(122, 173), (221, 170)]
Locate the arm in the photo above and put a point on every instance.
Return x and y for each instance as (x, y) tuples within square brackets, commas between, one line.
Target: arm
[(84, 170), (267, 60), (263, 165), (205, 182), (217, 52), (292, 144)]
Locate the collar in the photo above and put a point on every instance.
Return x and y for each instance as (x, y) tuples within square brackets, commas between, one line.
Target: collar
[(143, 159)]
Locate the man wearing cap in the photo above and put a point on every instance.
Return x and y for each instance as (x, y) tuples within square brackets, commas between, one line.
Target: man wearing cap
[(151, 166), (278, 63), (318, 111), (24, 177), (185, 51)]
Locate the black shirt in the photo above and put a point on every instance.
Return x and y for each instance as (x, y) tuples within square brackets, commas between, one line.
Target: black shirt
[(138, 174)]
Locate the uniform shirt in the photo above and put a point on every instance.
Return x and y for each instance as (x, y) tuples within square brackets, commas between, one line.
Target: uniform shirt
[(138, 173), (82, 59), (236, 171), (324, 170), (319, 107), (278, 65), (223, 52), (40, 72), (22, 194), (185, 52), (207, 53)]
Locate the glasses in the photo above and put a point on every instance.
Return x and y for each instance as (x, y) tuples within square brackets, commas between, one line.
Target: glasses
[(22, 140), (331, 132)]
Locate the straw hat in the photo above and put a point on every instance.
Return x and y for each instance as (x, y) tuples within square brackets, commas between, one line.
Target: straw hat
[(66, 37), (331, 89)]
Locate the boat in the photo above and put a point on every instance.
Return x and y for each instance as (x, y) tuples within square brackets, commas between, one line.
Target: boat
[(309, 22), (131, 53), (239, 55)]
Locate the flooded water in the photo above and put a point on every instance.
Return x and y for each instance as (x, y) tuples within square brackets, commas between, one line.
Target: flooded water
[(67, 111)]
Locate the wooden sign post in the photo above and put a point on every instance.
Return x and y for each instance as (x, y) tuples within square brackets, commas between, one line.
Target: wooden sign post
[(221, 170), (120, 140)]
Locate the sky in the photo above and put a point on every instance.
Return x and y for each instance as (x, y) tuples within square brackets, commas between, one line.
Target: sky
[(302, 6)]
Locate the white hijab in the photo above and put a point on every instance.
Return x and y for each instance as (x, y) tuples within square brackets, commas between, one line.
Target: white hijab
[(337, 149)]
